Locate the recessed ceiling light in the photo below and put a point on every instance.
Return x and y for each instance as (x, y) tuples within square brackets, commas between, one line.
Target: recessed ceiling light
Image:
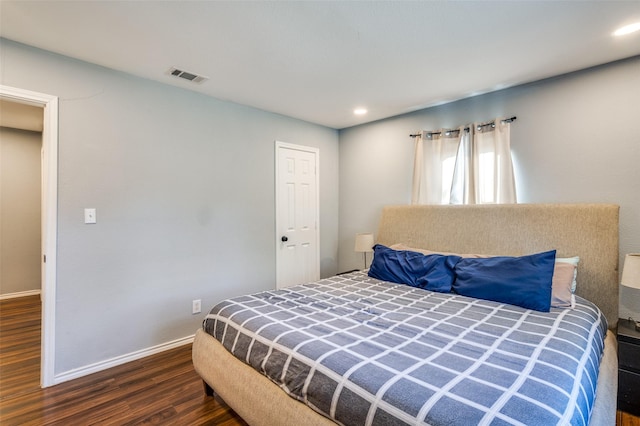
[(360, 111), (627, 29)]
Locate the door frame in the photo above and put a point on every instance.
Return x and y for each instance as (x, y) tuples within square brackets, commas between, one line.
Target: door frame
[(316, 152), (49, 213)]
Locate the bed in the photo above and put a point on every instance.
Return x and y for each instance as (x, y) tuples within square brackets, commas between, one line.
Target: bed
[(589, 231)]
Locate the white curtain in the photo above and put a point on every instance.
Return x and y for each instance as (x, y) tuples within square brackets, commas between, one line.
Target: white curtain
[(433, 167), (470, 165)]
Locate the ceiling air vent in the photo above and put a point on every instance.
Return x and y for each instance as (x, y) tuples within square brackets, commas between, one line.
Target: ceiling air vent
[(187, 75)]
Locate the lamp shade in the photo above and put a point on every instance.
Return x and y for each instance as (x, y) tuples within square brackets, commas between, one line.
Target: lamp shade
[(631, 271), (364, 243)]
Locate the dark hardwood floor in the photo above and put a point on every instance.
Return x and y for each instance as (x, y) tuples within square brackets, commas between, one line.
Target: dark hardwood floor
[(626, 419), (162, 389), (19, 346)]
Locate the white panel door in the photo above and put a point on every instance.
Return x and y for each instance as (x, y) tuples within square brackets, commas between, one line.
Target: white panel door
[(297, 232)]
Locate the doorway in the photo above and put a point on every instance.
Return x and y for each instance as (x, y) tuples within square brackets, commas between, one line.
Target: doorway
[(49, 212), (20, 200), (297, 215)]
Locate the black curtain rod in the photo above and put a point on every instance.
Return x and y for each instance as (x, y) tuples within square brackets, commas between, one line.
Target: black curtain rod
[(466, 129)]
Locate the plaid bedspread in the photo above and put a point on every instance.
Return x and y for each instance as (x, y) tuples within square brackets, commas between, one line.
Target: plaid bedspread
[(366, 352)]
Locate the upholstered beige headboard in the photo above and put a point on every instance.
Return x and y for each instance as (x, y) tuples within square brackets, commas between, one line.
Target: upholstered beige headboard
[(586, 230)]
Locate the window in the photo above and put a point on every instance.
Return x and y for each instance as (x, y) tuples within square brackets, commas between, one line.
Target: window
[(470, 165)]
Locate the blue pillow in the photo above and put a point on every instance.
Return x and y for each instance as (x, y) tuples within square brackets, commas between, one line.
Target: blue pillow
[(431, 272), (523, 281)]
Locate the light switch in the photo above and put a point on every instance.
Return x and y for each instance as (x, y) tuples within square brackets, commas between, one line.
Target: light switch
[(89, 215)]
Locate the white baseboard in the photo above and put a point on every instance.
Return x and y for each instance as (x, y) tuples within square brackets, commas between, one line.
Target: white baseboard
[(122, 359), (20, 294)]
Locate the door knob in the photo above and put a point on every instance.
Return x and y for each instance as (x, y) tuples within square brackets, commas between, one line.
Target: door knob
[(284, 239)]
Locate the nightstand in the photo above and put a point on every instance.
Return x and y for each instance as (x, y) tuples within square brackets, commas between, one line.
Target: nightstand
[(628, 367)]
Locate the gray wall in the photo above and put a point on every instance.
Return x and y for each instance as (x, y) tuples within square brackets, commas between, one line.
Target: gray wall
[(575, 140), (183, 185), (19, 210)]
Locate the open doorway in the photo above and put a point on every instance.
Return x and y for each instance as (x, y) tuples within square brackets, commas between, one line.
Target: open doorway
[(20, 246), (20, 199), (47, 108)]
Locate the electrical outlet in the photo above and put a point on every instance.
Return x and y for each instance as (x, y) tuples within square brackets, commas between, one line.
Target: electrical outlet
[(196, 306)]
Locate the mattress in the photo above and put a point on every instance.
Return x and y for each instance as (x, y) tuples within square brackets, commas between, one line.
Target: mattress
[(363, 351)]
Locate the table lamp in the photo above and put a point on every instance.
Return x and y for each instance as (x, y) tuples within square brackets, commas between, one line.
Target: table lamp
[(364, 244), (631, 276)]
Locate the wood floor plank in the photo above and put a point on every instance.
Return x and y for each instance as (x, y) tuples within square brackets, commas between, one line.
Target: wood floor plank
[(626, 419), (162, 389), (19, 346)]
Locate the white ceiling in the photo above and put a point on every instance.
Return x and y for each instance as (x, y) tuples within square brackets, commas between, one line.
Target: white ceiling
[(318, 60)]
